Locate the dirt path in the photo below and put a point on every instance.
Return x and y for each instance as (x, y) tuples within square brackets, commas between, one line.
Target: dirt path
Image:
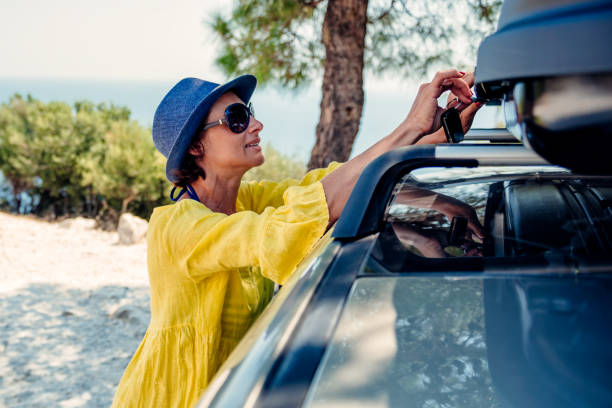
[(74, 306)]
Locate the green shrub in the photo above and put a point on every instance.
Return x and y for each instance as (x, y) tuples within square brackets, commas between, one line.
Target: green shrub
[(39, 150), (87, 160), (92, 160), (124, 168), (277, 166)]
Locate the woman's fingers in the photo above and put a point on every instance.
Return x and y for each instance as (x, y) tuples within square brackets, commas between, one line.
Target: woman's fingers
[(433, 138), (453, 101), (425, 110), (451, 79), (459, 87), (469, 78), (467, 115), (475, 227), (441, 76)]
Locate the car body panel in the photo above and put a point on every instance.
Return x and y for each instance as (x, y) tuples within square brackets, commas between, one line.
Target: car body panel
[(241, 377)]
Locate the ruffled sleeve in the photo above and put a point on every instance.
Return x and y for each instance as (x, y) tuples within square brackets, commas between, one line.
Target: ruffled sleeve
[(276, 239), (257, 195)]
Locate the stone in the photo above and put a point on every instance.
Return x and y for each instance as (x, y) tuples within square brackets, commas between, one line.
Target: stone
[(131, 229), (128, 313), (78, 223)]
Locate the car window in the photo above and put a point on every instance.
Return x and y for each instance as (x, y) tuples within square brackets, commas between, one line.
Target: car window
[(498, 212), (407, 342), (471, 341)]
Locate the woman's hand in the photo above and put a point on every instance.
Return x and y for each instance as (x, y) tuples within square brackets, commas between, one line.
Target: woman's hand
[(425, 112), (467, 111), (453, 101), (428, 246), (467, 117), (339, 184), (451, 207)]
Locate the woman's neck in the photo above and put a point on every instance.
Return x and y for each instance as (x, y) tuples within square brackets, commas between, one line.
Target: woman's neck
[(218, 194)]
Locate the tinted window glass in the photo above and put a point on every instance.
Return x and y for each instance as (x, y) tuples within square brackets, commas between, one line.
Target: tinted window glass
[(499, 212), (408, 341)]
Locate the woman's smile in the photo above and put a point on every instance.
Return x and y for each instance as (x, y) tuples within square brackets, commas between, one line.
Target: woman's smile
[(254, 144)]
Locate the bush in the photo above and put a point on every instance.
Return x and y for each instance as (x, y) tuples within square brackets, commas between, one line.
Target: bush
[(124, 168), (276, 167), (92, 160), (87, 160), (39, 150)]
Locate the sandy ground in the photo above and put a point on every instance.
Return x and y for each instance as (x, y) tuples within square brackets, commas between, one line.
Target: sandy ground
[(74, 306)]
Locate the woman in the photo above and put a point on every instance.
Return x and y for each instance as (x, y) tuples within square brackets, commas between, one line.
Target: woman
[(213, 257)]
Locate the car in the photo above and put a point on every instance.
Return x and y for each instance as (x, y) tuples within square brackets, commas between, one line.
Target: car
[(475, 274)]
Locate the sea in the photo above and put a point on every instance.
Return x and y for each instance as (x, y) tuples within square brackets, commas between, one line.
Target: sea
[(289, 116)]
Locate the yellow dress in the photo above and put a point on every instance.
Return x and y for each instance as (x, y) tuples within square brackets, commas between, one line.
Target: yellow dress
[(211, 275)]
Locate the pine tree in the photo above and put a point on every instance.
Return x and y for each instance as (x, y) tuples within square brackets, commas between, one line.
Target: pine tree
[(294, 41)]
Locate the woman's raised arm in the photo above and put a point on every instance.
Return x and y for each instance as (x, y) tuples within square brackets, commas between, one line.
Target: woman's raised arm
[(421, 120)]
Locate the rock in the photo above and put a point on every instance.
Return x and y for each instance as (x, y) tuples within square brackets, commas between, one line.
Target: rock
[(121, 314), (78, 223), (128, 314), (131, 229)]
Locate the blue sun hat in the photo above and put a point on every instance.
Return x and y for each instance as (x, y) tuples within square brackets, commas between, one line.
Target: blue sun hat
[(183, 109)]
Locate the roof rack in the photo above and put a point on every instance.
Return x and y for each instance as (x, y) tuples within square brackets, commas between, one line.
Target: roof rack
[(490, 135)]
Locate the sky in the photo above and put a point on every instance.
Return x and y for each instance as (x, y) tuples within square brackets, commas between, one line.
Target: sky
[(111, 39), (144, 40), (114, 39)]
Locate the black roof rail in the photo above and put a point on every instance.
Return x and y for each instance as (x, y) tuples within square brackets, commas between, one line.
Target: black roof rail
[(490, 135)]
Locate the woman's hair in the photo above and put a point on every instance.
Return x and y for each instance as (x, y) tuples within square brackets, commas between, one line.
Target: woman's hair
[(190, 171)]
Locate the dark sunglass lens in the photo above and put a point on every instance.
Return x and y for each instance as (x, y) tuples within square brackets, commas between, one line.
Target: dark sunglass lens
[(237, 116)]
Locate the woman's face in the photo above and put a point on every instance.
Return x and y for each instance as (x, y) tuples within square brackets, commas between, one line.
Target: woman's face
[(228, 153)]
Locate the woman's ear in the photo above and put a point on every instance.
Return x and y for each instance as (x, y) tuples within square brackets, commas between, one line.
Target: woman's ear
[(197, 149)]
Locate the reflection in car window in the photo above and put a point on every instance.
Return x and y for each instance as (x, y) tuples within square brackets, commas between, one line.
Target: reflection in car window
[(407, 342), (478, 341), (422, 218), (457, 174), (505, 212)]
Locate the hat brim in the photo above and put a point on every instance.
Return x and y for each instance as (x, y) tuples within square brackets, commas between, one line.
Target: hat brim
[(243, 87)]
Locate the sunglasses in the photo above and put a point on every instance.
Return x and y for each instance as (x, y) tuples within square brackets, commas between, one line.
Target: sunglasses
[(237, 116)]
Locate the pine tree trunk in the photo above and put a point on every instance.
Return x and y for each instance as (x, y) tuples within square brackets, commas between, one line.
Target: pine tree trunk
[(126, 201), (344, 29)]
